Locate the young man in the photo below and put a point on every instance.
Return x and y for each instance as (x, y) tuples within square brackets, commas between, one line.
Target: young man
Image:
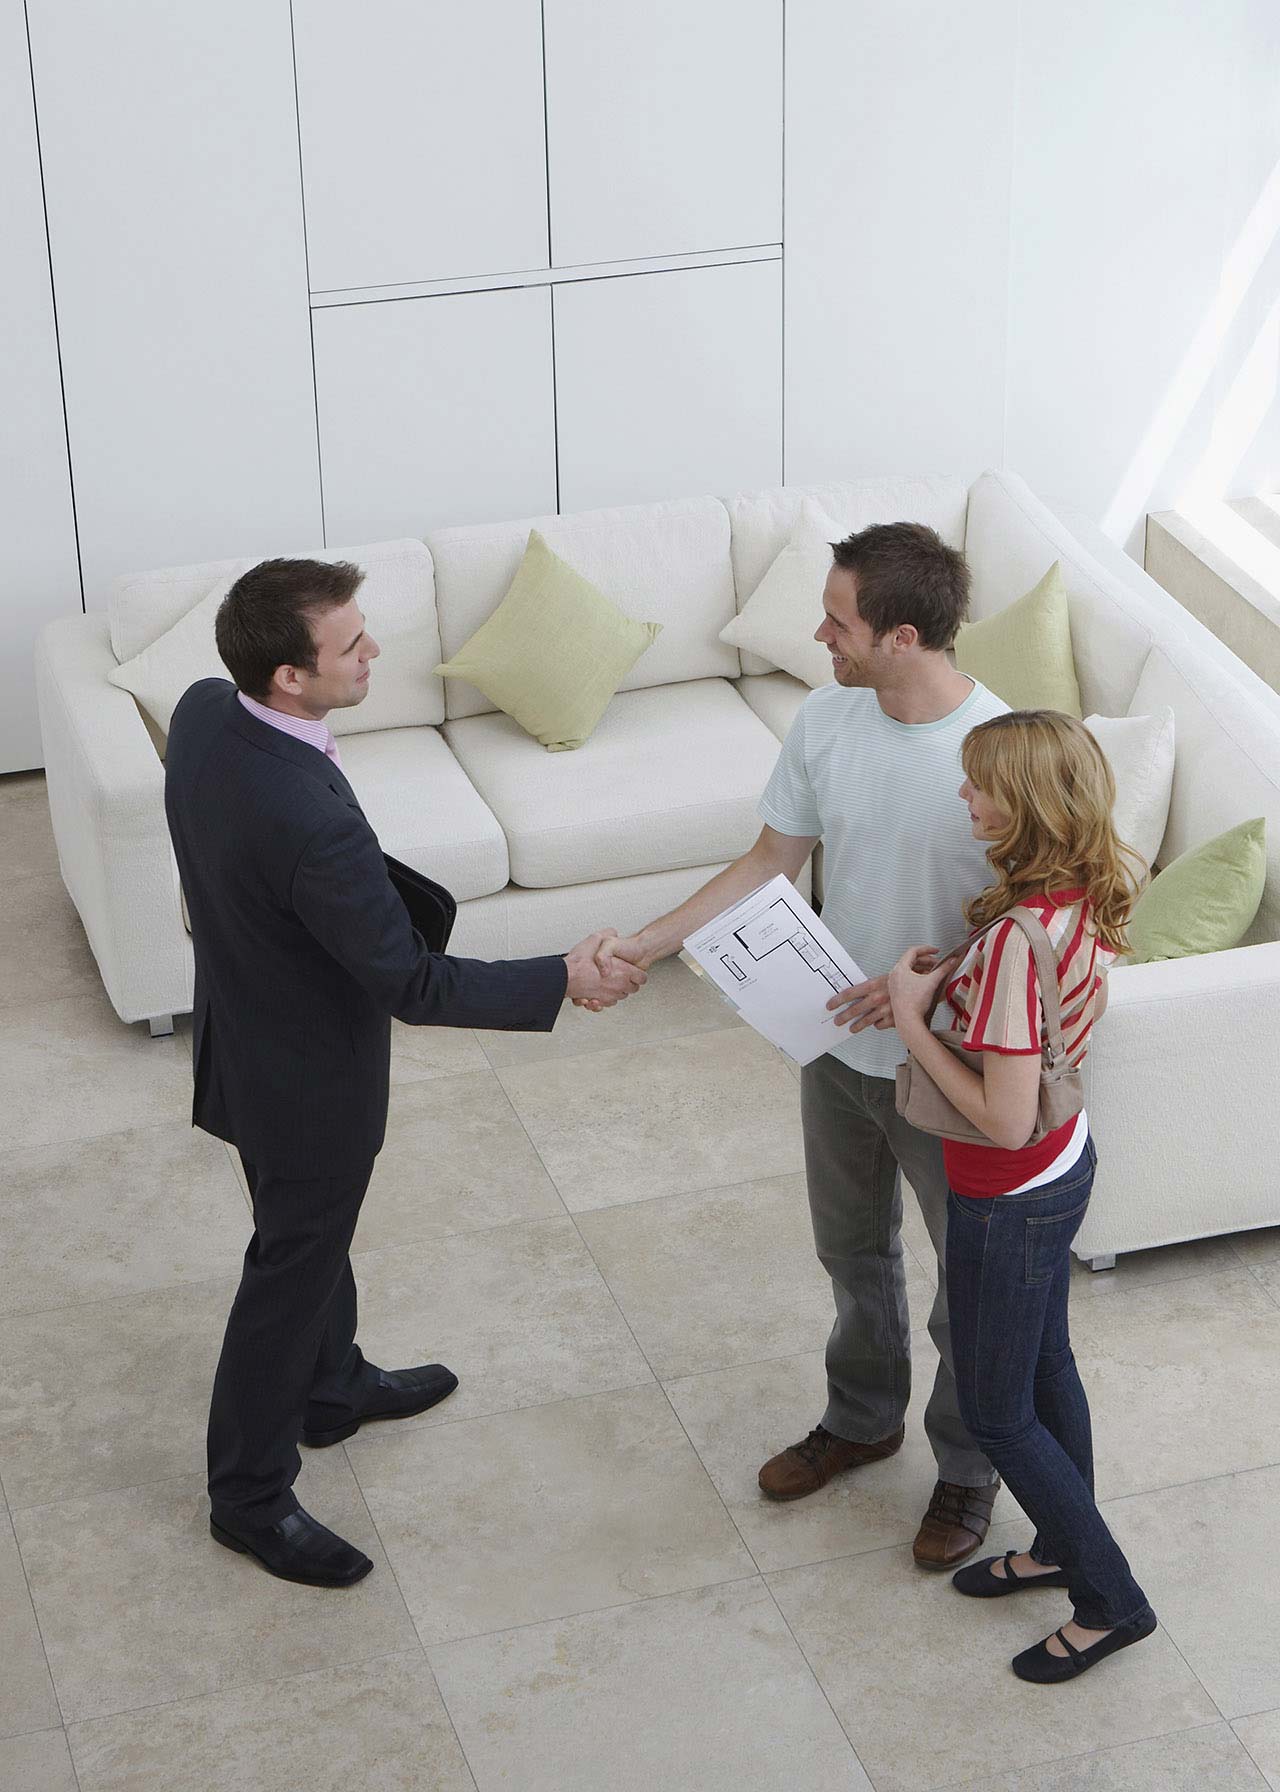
[(871, 767), (304, 950)]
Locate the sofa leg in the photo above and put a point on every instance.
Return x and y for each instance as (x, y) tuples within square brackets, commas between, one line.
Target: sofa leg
[(161, 1025), (1107, 1261)]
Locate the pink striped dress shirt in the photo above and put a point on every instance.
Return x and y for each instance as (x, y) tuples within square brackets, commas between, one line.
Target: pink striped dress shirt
[(316, 734)]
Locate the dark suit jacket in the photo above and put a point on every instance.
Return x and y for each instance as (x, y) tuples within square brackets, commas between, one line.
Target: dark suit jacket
[(303, 948)]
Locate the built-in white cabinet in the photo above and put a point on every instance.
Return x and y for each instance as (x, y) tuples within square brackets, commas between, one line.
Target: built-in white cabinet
[(664, 126), (897, 236), (422, 139), (435, 411), (669, 384), (39, 574), (170, 148)]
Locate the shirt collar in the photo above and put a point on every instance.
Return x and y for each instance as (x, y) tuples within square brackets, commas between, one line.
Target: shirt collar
[(315, 734)]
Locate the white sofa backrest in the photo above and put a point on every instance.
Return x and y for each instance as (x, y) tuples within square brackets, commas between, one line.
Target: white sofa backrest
[(666, 563), (397, 598), (763, 521), (1011, 541), (1135, 651)]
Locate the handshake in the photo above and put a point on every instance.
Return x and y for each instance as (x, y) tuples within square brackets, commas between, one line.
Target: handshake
[(605, 969)]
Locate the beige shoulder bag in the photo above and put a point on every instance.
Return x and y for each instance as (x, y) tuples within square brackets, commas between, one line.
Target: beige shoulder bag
[(924, 1106)]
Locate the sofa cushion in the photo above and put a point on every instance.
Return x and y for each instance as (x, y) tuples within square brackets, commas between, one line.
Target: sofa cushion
[(777, 624), (425, 811), (1227, 766), (397, 597), (665, 563), (1206, 900), (762, 522), (1011, 541), (1140, 752), (554, 651), (775, 697), (1023, 652), (671, 777)]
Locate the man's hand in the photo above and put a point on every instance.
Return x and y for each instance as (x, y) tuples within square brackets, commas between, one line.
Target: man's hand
[(600, 979), (613, 948), (864, 1005), (870, 1004)]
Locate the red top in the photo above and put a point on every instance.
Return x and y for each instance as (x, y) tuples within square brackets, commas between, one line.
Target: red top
[(995, 998)]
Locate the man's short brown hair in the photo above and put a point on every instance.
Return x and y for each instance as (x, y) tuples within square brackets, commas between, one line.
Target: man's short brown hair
[(907, 573), (264, 621)]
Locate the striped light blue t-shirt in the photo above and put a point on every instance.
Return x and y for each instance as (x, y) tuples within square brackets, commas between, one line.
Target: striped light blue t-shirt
[(900, 859)]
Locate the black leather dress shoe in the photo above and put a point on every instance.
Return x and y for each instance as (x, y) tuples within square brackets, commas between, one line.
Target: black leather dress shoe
[(298, 1548), (399, 1394)]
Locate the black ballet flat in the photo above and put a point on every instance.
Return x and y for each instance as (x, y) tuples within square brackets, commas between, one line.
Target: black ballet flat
[(1044, 1669), (979, 1581)]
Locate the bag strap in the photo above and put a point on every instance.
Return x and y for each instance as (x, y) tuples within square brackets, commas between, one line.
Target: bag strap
[(1046, 964)]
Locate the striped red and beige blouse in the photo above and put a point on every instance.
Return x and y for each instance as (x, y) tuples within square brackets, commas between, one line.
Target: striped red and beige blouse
[(995, 1000)]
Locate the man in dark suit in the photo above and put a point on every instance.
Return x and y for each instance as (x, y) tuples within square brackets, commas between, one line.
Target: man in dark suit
[(304, 950)]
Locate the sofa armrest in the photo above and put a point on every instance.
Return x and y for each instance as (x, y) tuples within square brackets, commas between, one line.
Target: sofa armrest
[(105, 785), (1184, 1101)]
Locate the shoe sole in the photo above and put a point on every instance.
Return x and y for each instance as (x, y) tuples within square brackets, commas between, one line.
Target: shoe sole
[(324, 1440), (301, 1580)]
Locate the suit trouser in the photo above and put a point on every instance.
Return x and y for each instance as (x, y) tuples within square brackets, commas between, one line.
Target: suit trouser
[(857, 1148), (289, 1353)]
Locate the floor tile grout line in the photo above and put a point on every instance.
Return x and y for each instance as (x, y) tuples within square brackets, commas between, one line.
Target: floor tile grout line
[(1108, 1748), (1245, 1717), (814, 1676), (232, 1686), (589, 1611), (644, 1357), (593, 1051), (351, 1467), (44, 1648), (404, 1428)]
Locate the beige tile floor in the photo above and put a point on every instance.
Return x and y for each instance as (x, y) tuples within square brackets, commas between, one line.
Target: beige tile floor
[(577, 1585)]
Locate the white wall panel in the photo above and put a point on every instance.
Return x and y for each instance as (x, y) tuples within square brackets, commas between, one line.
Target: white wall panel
[(435, 411), (169, 139), (664, 123), (1116, 329), (422, 139), (39, 574), (898, 163), (1245, 445), (669, 385)]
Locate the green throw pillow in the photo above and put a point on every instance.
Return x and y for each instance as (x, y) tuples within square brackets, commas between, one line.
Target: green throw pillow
[(554, 652), (1023, 653), (1205, 901)]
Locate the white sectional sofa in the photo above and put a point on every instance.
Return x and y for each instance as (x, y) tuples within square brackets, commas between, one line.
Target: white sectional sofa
[(540, 848)]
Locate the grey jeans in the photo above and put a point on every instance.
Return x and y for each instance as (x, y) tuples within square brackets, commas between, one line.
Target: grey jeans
[(857, 1149)]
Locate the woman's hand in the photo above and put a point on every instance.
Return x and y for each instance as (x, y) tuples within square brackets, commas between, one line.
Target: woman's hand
[(914, 981)]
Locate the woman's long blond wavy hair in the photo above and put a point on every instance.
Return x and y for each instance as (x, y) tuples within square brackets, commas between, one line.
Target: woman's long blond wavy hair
[(1047, 773)]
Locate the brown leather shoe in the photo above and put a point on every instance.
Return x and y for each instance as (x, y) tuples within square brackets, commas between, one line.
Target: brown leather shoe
[(955, 1524), (805, 1467)]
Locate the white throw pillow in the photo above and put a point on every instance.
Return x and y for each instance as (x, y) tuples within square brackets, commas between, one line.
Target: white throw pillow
[(778, 619), (398, 600), (1140, 752)]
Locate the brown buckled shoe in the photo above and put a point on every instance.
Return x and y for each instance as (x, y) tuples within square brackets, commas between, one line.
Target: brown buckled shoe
[(955, 1525), (805, 1467)]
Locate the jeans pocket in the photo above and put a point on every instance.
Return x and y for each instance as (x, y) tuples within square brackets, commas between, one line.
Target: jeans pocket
[(1048, 1237), (971, 1206)]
